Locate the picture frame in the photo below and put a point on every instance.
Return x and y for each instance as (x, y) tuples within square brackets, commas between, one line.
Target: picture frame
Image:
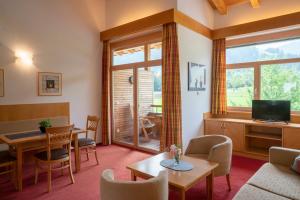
[(197, 78), (1, 82), (49, 84)]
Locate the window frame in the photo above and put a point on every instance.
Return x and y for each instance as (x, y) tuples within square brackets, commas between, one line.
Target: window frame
[(257, 77)]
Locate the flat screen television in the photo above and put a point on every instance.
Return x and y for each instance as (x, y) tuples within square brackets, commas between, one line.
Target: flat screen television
[(270, 110)]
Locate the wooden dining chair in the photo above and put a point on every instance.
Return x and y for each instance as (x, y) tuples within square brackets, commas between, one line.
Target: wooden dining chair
[(58, 151), (88, 143), (8, 163)]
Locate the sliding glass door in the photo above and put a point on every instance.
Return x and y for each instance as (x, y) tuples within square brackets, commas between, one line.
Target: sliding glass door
[(136, 96), (150, 107), (123, 118)]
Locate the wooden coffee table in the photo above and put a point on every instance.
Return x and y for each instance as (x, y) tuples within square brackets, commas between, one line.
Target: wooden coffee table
[(180, 181)]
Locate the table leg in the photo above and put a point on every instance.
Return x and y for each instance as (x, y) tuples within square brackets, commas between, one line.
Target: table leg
[(19, 150), (77, 156), (133, 176), (182, 194), (209, 186)]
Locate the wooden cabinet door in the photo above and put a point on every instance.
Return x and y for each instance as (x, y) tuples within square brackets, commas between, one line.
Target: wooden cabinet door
[(235, 131), (291, 138), (213, 127)]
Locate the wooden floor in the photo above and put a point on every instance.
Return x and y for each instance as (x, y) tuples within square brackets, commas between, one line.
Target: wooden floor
[(153, 144)]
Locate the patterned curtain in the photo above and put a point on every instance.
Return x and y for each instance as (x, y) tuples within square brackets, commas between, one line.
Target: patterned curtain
[(171, 92), (105, 119), (218, 98)]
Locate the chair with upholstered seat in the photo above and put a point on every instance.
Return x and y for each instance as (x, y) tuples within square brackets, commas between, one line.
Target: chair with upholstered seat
[(154, 188), (8, 163), (216, 148), (58, 152), (88, 143)]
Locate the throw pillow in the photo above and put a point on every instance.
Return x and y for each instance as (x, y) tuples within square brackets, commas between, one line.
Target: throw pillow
[(296, 164)]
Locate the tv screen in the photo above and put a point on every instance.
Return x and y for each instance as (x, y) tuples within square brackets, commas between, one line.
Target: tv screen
[(269, 110)]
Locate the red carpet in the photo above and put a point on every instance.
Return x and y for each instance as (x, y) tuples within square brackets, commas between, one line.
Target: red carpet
[(114, 157)]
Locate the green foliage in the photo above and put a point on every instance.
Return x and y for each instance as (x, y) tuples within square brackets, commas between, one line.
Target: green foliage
[(45, 123), (281, 82)]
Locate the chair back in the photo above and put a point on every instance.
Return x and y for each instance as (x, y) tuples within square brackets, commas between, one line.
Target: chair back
[(221, 153), (154, 188), (59, 137), (92, 125)]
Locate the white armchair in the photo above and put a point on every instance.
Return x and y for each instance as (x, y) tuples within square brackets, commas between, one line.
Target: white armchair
[(215, 148), (154, 188)]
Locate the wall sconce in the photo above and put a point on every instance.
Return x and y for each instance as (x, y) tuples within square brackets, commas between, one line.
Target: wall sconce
[(24, 58)]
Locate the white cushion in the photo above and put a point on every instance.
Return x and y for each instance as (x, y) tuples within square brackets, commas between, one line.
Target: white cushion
[(249, 192), (277, 179)]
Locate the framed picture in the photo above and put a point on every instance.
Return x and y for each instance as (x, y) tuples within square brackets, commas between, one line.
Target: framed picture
[(49, 84), (1, 83), (196, 77)]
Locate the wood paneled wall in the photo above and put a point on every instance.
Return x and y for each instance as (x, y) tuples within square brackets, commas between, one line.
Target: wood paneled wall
[(123, 100), (33, 111)]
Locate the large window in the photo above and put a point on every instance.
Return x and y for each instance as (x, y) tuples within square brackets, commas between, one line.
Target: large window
[(268, 71)]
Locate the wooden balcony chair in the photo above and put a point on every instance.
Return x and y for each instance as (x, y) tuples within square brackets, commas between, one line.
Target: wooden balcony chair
[(8, 163), (88, 144), (58, 151), (147, 127)]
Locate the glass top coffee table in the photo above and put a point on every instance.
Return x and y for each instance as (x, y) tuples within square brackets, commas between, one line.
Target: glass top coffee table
[(178, 180)]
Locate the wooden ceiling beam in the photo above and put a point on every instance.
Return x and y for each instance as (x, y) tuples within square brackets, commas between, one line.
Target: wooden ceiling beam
[(255, 3), (220, 5), (256, 26)]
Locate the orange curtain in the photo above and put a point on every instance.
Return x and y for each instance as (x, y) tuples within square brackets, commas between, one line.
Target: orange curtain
[(171, 92), (105, 128), (218, 97)]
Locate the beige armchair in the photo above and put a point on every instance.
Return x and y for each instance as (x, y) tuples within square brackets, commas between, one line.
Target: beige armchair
[(216, 148), (154, 188)]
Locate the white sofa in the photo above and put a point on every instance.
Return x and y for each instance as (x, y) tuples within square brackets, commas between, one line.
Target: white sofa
[(274, 180)]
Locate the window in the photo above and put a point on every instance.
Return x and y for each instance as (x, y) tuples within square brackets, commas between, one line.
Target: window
[(137, 54), (127, 56), (136, 101), (265, 51), (267, 71), (240, 86), (281, 81), (155, 51)]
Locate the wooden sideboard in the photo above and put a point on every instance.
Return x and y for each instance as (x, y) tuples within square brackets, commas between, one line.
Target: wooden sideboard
[(253, 138)]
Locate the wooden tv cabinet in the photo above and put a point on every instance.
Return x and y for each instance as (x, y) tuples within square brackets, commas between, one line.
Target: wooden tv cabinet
[(253, 138)]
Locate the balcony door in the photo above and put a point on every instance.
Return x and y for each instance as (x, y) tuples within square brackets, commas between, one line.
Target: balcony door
[(136, 95)]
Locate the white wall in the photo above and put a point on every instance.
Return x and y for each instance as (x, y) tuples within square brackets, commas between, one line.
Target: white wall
[(193, 48), (120, 12), (63, 36), (199, 10), (243, 13)]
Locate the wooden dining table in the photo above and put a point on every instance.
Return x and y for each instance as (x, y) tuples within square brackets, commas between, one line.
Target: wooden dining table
[(22, 142)]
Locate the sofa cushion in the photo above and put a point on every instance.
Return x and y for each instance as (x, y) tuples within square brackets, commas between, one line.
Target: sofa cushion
[(277, 179), (249, 192)]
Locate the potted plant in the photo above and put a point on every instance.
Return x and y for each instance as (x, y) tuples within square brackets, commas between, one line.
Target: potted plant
[(44, 124)]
